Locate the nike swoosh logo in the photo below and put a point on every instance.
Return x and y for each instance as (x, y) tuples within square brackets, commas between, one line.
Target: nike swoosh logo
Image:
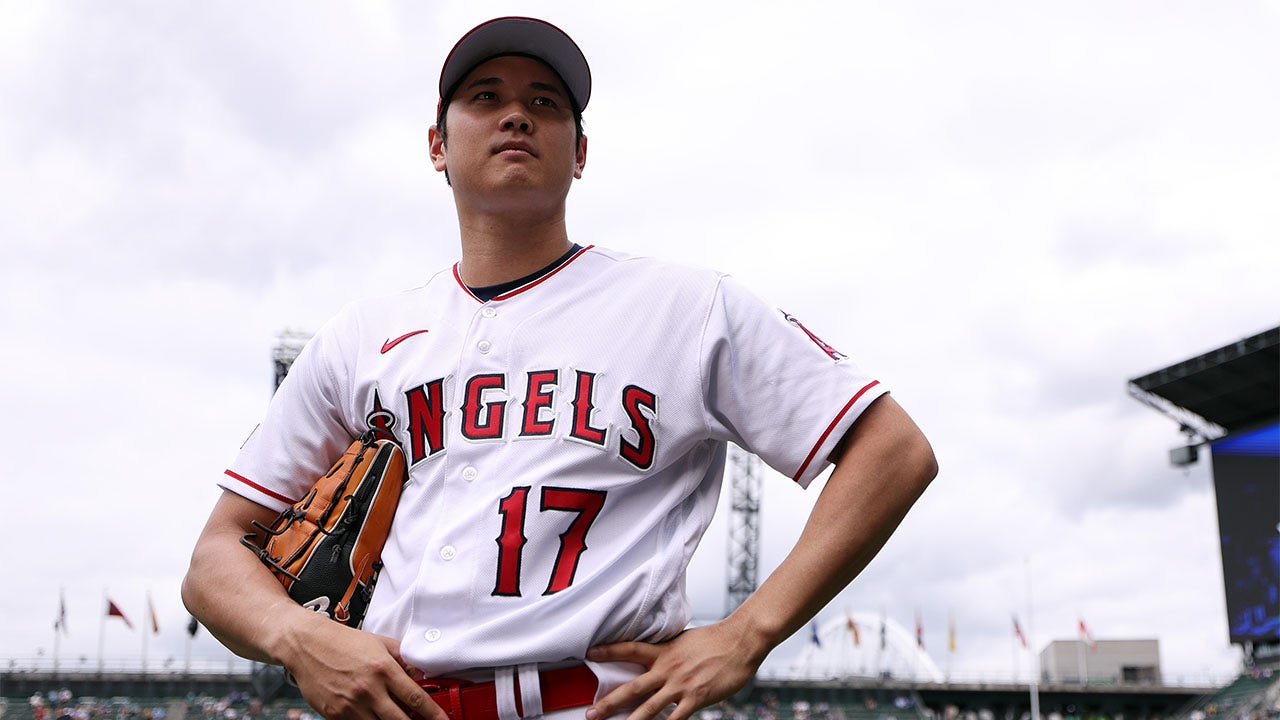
[(392, 343)]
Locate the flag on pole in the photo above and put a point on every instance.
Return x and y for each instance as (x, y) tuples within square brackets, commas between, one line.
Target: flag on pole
[(1017, 632), (951, 632), (193, 626), (114, 610), (1087, 636), (919, 631), (151, 610), (883, 622), (813, 632), (853, 628), (60, 622)]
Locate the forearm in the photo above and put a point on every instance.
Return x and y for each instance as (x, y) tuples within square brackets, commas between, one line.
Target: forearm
[(884, 465), (230, 591), (885, 468), (345, 674)]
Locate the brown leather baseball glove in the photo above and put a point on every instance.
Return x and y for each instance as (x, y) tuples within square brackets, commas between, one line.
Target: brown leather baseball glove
[(326, 550)]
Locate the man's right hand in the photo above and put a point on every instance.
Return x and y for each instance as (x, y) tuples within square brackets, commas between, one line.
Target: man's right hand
[(348, 674), (343, 673)]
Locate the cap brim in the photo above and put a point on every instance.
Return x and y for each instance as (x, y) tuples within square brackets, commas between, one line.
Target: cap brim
[(519, 36)]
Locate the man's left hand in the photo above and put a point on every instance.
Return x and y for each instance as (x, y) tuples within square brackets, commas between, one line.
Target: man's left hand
[(701, 666)]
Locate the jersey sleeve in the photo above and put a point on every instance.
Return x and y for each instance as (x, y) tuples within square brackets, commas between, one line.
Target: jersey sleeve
[(774, 388), (303, 431)]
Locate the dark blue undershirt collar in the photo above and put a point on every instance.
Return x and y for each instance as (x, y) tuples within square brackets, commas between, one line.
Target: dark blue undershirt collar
[(490, 292)]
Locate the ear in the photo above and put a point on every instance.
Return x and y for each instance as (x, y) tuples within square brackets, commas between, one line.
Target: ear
[(437, 148), (580, 160)]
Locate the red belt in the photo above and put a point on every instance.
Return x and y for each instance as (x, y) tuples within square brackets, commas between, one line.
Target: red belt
[(462, 700)]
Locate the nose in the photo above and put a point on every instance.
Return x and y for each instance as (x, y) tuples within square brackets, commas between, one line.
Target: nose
[(516, 120)]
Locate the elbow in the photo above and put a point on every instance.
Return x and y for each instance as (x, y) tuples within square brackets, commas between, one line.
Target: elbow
[(187, 593), (200, 576), (930, 464), (190, 585), (921, 459)]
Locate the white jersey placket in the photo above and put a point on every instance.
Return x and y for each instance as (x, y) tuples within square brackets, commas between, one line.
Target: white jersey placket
[(468, 475)]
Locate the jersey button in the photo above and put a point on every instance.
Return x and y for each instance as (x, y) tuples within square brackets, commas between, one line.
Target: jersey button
[(469, 474), (432, 635), (484, 346), (448, 552), (489, 312)]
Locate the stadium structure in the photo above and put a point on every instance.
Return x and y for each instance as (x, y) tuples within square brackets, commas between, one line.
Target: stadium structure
[(1227, 401)]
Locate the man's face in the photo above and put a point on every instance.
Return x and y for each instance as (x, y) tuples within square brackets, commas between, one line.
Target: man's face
[(511, 135)]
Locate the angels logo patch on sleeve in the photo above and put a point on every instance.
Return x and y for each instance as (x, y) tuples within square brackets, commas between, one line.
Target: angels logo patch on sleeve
[(834, 353)]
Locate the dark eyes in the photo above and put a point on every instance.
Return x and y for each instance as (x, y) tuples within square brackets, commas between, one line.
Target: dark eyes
[(539, 100)]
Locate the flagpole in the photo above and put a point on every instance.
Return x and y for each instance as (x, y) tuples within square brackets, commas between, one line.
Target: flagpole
[(880, 652), (1084, 675), (145, 633), (102, 629), (915, 658), (1081, 638), (1017, 664), (58, 627), (191, 636), (862, 655), (1031, 634), (951, 640), (148, 626)]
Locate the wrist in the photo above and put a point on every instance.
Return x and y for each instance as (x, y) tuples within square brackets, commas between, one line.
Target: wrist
[(757, 633), (284, 630)]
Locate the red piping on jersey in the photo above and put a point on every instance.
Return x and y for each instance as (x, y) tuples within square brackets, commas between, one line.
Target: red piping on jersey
[(259, 488), (804, 465), (463, 285), (522, 288)]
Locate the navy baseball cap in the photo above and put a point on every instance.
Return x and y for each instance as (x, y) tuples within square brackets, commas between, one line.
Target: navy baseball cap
[(519, 36)]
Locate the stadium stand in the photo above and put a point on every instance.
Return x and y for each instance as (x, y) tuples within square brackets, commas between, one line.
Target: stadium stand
[(1254, 695), (865, 706)]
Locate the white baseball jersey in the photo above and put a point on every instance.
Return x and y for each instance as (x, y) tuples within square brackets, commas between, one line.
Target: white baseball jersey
[(566, 441)]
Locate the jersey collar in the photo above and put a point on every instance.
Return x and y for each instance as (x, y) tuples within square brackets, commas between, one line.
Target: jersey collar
[(527, 282)]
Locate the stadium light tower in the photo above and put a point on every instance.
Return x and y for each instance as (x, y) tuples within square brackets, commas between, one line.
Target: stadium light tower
[(744, 527), (288, 344), (268, 680)]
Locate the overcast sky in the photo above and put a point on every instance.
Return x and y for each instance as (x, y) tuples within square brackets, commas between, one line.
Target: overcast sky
[(1004, 210)]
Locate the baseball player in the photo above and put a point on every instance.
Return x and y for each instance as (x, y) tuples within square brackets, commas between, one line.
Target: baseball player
[(565, 410)]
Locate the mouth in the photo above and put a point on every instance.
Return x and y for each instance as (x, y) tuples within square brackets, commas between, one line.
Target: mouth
[(514, 147)]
